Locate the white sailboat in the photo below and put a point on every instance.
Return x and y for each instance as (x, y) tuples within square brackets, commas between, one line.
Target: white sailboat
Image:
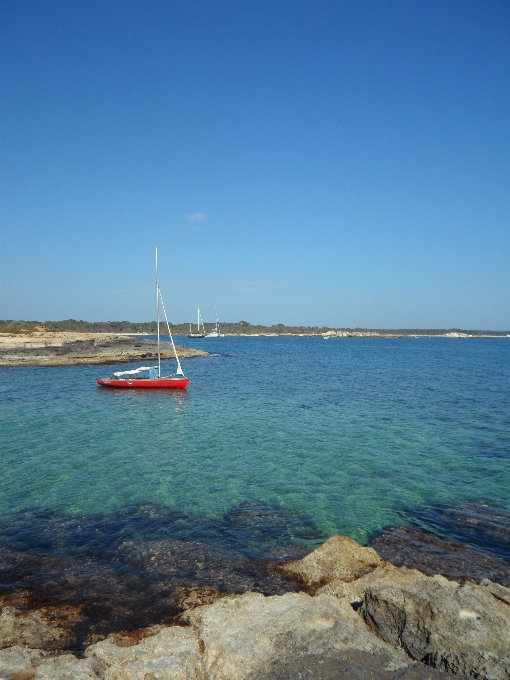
[(216, 332), (198, 334)]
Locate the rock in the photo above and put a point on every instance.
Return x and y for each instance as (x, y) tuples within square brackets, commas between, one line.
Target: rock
[(433, 555), (498, 591), (457, 628), (26, 628), (68, 667), (476, 523), (355, 590), (189, 563), (338, 558), (173, 654), (17, 660), (244, 637), (351, 665)]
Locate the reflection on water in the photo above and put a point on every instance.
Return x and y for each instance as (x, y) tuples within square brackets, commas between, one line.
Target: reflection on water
[(151, 397)]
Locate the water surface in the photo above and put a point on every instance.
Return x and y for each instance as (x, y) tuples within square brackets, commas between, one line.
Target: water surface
[(350, 433)]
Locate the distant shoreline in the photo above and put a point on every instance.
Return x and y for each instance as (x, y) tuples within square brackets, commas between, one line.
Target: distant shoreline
[(241, 329)]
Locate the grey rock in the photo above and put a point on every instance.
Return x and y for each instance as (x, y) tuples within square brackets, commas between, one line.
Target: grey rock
[(18, 659), (247, 635), (352, 665), (338, 558), (463, 629), (68, 667), (173, 654)]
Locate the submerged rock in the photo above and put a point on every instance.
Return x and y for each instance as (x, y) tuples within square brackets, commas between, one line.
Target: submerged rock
[(458, 628), (487, 527), (434, 555), (339, 558)]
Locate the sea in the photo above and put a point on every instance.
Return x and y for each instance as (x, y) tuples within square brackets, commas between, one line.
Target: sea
[(278, 443)]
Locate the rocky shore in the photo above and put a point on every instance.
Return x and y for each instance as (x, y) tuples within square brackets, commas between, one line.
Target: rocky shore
[(352, 615), (71, 349)]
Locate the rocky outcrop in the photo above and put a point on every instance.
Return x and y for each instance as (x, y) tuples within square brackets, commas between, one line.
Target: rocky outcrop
[(458, 628), (245, 636), (339, 558), (70, 349), (368, 620)]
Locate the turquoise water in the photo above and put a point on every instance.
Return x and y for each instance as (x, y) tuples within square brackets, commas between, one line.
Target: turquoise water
[(348, 432)]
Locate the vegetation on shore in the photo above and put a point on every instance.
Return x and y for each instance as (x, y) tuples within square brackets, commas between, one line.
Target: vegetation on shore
[(239, 328)]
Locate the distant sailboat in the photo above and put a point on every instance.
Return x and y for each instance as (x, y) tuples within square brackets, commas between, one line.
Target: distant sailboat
[(152, 378), (198, 334), (216, 332)]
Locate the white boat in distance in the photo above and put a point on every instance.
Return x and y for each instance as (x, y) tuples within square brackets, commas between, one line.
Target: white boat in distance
[(198, 334), (216, 332)]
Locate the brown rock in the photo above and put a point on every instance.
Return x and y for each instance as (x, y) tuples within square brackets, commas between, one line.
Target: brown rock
[(338, 558), (384, 574), (28, 629)]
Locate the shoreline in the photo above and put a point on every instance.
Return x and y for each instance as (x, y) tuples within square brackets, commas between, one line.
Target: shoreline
[(347, 610), (75, 349)]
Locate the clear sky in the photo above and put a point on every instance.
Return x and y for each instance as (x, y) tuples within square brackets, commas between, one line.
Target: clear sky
[(340, 163)]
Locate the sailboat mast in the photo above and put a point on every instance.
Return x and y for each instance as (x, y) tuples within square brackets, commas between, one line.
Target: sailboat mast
[(198, 320), (157, 309)]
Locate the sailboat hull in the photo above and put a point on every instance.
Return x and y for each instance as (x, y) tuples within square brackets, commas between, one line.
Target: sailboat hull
[(147, 383)]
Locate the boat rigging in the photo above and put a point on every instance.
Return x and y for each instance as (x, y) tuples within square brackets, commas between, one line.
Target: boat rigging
[(153, 378)]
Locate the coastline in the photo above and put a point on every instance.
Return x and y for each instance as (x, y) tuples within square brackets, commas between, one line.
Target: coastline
[(347, 613), (73, 349)]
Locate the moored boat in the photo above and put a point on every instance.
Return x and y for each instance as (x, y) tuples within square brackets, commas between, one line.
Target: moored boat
[(199, 333), (216, 332), (153, 379), (130, 379)]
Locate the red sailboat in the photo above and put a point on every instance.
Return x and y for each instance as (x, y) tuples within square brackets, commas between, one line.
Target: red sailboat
[(149, 377)]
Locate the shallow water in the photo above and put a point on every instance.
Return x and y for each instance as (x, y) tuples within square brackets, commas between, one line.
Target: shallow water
[(348, 432)]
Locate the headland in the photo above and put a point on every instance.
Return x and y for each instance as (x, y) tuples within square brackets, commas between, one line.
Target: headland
[(46, 348)]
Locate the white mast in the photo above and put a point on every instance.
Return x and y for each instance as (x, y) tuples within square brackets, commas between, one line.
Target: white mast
[(198, 320), (179, 367), (157, 307)]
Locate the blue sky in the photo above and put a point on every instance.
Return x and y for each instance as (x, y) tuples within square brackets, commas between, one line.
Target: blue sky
[(317, 163)]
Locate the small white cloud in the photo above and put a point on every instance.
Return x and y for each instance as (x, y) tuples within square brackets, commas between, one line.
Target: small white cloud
[(196, 218)]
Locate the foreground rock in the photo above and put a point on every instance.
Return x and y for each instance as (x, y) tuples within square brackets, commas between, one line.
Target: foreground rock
[(70, 349), (367, 620), (245, 636), (339, 558), (458, 628)]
